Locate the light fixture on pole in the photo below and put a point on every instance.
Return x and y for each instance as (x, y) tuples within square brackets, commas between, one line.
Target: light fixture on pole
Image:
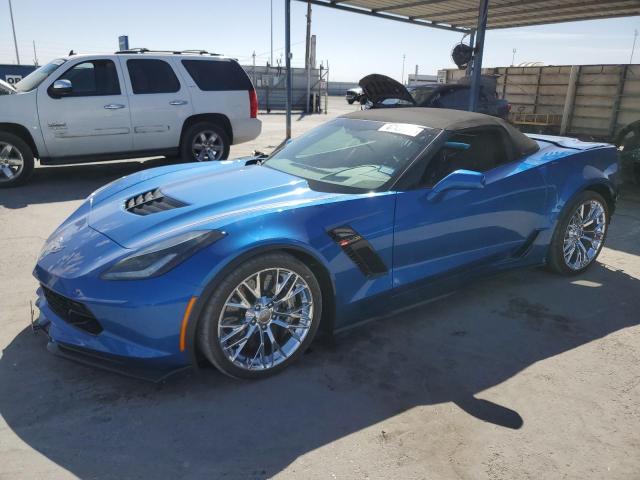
[(402, 76), (513, 57), (633, 48)]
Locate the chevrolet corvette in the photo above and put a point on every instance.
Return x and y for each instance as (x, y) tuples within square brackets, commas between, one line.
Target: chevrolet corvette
[(241, 263)]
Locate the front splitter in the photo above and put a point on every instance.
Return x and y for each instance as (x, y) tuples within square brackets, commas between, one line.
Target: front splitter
[(116, 364)]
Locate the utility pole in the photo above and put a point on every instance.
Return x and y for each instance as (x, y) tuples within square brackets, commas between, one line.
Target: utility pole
[(633, 48), (35, 55), (13, 27), (289, 77), (307, 58), (513, 57), (271, 32), (253, 70), (402, 76)]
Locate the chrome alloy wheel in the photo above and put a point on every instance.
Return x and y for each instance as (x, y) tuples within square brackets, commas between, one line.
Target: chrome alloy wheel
[(11, 162), (207, 145), (584, 234), (265, 319)]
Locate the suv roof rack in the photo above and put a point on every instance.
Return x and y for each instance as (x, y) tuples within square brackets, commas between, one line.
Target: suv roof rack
[(173, 52)]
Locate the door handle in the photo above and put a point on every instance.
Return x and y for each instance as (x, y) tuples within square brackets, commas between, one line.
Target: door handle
[(114, 106), (178, 102)]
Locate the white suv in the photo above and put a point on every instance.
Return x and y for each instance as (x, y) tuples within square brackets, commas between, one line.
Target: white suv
[(87, 108)]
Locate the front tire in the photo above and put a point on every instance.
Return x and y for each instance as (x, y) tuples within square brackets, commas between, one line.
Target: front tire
[(579, 235), (16, 160), (262, 317), (205, 141)]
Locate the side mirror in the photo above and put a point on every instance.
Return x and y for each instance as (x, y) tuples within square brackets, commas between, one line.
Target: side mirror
[(61, 88), (458, 180)]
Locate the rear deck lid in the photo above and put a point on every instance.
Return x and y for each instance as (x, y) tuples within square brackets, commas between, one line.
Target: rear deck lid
[(567, 142)]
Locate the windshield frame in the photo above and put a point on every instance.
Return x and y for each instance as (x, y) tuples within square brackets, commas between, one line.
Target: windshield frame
[(58, 62), (394, 179)]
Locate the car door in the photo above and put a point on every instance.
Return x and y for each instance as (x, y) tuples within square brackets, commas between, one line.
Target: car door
[(160, 103), (437, 235), (93, 118)]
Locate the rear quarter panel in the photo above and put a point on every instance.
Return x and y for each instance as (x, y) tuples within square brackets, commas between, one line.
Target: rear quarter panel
[(570, 171), (234, 104)]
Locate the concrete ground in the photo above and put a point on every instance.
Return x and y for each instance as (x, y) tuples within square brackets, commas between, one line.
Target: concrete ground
[(525, 375)]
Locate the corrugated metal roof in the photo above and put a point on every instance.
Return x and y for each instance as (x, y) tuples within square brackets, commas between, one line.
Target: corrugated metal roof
[(463, 14)]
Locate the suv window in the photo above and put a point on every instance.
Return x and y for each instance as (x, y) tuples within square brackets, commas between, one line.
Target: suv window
[(93, 78), (152, 76), (486, 151), (217, 75)]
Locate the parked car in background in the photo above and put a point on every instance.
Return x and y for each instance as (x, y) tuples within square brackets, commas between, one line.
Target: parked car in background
[(385, 92), (354, 95), (242, 262), (135, 103)]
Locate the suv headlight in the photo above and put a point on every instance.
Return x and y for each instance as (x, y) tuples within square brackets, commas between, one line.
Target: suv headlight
[(161, 257)]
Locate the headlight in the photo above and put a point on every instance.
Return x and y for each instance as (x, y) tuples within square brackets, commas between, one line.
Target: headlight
[(161, 257)]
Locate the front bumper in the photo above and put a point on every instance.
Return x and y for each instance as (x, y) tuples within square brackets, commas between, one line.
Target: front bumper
[(105, 350), (246, 129)]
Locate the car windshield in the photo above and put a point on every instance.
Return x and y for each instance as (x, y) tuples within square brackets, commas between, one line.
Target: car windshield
[(35, 78), (359, 155)]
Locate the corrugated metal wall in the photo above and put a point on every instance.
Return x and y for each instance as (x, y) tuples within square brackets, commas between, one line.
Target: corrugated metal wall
[(270, 86)]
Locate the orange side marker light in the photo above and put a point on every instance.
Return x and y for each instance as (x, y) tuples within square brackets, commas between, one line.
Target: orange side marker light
[(185, 322)]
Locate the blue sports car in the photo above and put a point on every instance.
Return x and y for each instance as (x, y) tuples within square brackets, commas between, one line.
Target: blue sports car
[(241, 263)]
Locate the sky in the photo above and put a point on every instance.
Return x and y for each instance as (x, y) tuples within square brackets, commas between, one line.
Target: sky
[(353, 45)]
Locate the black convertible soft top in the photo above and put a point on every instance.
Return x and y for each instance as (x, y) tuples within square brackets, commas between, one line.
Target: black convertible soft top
[(451, 120)]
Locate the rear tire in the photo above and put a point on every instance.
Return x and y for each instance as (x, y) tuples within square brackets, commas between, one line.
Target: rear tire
[(254, 324), (350, 102), (580, 234), (205, 141), (16, 160)]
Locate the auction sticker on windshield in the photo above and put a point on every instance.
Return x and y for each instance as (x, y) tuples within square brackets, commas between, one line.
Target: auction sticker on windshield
[(402, 129)]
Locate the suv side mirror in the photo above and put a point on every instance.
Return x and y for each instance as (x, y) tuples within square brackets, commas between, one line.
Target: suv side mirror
[(458, 180), (61, 88)]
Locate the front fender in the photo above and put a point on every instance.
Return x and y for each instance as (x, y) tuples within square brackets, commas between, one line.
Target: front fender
[(211, 282)]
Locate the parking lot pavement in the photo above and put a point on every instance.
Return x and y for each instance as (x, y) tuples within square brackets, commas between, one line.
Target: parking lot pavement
[(524, 375)]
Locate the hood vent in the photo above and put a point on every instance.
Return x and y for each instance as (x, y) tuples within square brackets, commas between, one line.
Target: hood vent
[(153, 201)]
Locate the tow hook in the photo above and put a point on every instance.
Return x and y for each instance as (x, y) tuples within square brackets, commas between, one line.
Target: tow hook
[(35, 325)]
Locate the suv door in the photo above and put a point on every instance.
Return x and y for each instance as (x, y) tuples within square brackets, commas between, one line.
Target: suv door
[(467, 227), (93, 118), (160, 103)]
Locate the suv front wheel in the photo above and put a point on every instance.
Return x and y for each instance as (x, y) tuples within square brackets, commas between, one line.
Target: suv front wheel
[(205, 141), (16, 160)]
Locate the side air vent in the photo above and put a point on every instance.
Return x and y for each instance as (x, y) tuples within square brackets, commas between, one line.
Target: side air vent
[(359, 251), (153, 201)]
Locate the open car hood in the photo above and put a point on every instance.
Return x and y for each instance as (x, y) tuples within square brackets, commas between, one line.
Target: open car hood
[(380, 87), (7, 87)]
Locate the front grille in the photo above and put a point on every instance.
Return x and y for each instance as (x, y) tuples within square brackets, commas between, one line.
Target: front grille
[(150, 202), (72, 312)]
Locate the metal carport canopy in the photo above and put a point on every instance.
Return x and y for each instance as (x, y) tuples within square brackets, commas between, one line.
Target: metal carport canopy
[(462, 15), (467, 16)]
